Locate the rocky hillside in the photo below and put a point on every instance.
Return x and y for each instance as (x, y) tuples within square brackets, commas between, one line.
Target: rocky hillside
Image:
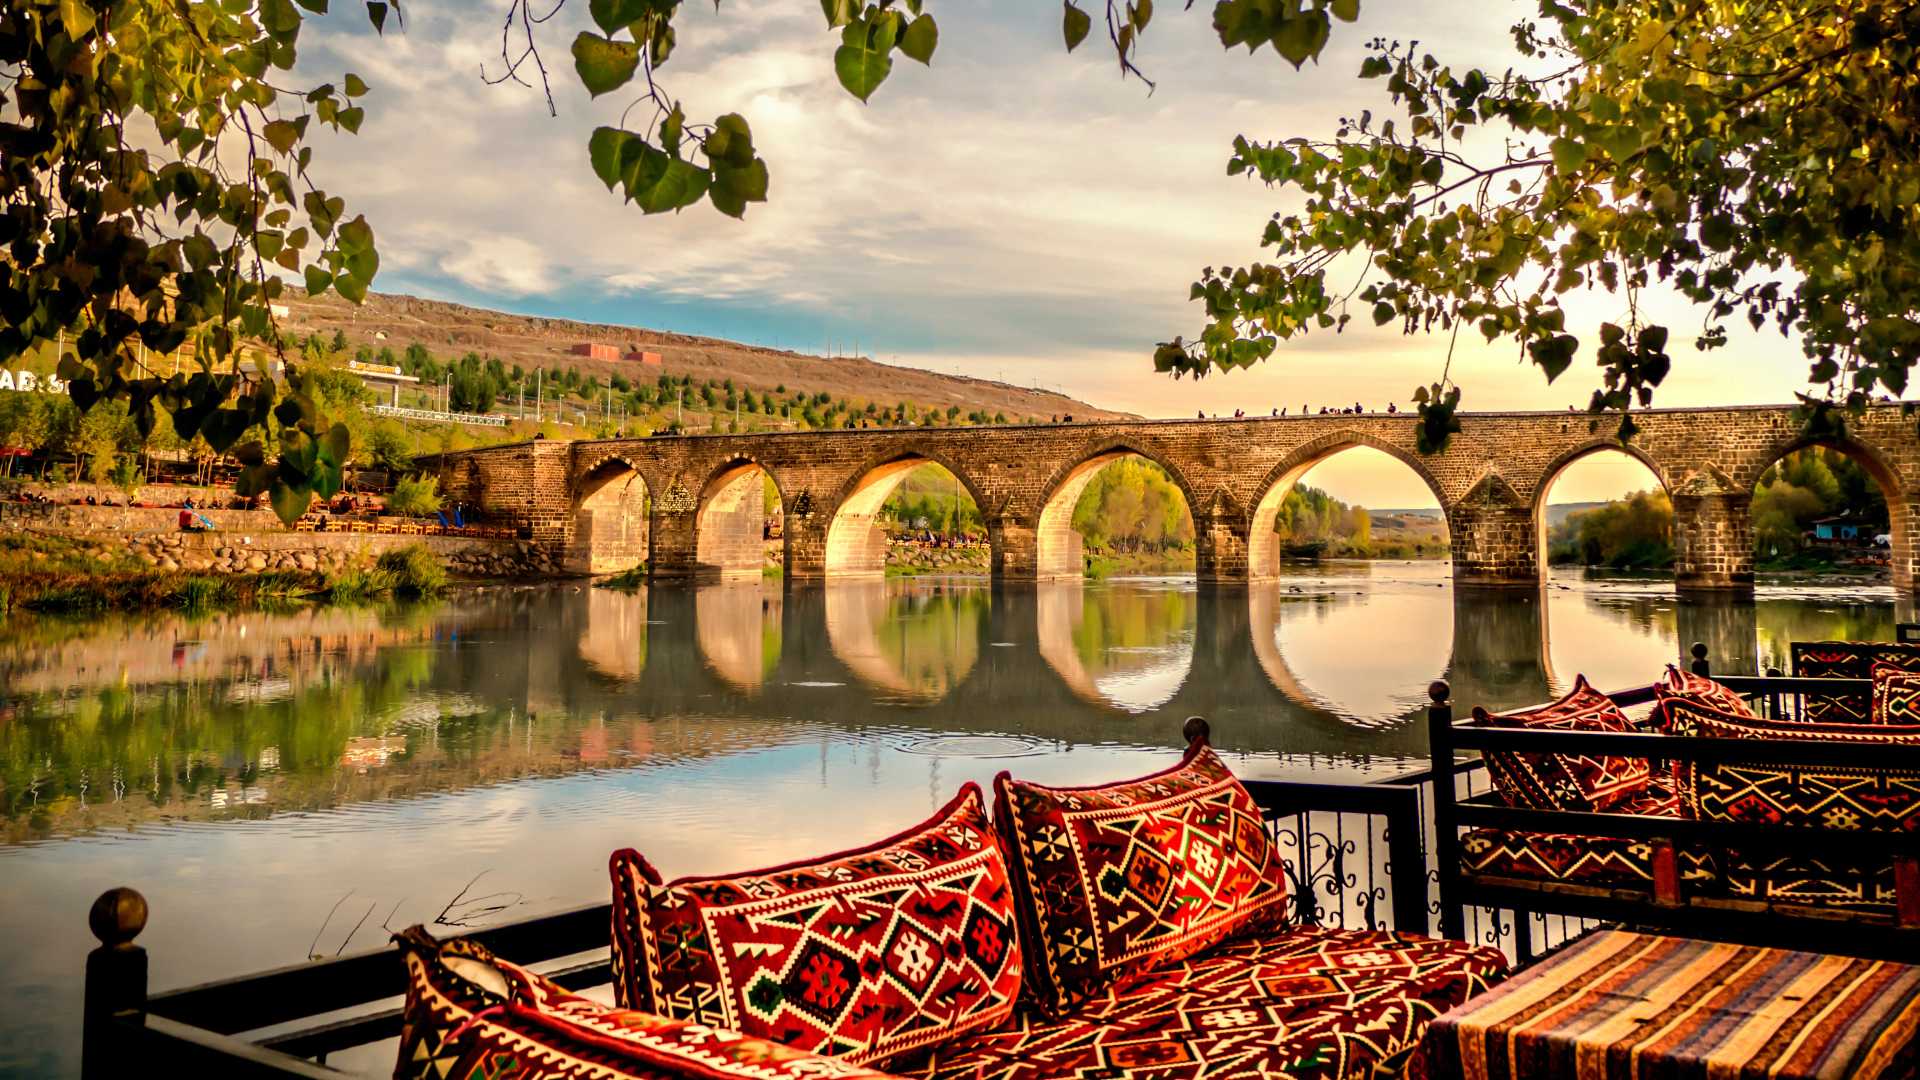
[(450, 330)]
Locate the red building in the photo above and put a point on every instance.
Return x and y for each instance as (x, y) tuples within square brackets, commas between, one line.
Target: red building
[(593, 350), (642, 357)]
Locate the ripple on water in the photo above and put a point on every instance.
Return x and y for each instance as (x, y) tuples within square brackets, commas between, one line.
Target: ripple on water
[(979, 746)]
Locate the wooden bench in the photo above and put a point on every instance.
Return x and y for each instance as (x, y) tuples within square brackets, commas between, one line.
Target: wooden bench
[(1683, 891)]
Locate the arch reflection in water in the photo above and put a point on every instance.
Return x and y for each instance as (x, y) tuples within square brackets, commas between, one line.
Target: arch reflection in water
[(1127, 645), (912, 640), (1323, 642), (738, 628)]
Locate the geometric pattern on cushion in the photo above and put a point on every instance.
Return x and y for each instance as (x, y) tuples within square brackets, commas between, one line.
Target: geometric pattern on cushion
[(861, 955), (1580, 782), (1121, 877), (1678, 688), (1580, 859), (1827, 797), (1846, 660), (469, 1014), (1819, 882), (1896, 694), (1309, 1003)]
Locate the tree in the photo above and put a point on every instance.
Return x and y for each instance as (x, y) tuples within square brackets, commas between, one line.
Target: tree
[(389, 447), (25, 424), (1760, 159)]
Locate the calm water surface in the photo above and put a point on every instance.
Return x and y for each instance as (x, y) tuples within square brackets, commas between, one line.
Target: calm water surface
[(281, 785)]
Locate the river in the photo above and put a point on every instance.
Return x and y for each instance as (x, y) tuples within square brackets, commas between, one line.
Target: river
[(285, 784)]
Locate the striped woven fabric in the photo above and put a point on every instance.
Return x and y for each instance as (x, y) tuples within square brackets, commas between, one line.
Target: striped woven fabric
[(1623, 1006)]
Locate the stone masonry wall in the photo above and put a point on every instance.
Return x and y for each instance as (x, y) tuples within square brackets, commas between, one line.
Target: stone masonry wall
[(255, 540), (1491, 480)]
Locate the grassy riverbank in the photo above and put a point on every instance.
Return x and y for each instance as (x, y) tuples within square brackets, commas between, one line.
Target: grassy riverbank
[(68, 575)]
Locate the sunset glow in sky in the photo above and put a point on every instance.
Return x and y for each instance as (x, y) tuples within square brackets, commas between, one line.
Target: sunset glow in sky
[(1011, 212)]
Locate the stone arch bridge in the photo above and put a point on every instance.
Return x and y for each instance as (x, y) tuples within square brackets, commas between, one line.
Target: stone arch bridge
[(692, 505)]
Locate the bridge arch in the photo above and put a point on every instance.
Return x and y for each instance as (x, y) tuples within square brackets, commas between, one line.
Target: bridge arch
[(729, 526), (1263, 544), (1058, 548), (1585, 452), (1875, 463), (611, 508), (856, 544)]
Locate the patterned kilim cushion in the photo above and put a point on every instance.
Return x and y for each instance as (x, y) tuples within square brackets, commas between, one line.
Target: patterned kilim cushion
[(1307, 1004), (1896, 694), (1118, 878), (470, 1015), (1799, 879), (1684, 688), (1846, 660), (1601, 861), (1565, 781), (1830, 797), (861, 955)]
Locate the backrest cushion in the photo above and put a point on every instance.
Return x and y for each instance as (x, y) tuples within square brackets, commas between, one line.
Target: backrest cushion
[(1582, 782), (1846, 660), (1677, 686), (862, 955), (1830, 797), (470, 1014), (1896, 694), (1118, 878)]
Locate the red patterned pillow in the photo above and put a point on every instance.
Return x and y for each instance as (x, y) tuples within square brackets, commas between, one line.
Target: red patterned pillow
[(861, 955), (1121, 877), (469, 1014), (1896, 694), (1582, 782), (1832, 797), (1684, 686)]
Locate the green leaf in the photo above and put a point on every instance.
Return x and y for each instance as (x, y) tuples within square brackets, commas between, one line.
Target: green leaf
[(377, 15), (1300, 37), (317, 280), (861, 69), (1345, 10), (1554, 354), (604, 150), (355, 85), (281, 135), (735, 186), (658, 183), (611, 15), (350, 288), (921, 38), (77, 18), (318, 7), (290, 501), (1568, 155), (604, 65), (838, 12), (279, 16), (350, 118), (1382, 313), (1074, 25)]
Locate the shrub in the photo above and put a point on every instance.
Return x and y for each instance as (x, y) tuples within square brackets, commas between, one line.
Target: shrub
[(415, 496), (633, 577), (416, 571)]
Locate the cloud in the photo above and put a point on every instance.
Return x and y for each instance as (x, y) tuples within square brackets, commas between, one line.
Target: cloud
[(1010, 208)]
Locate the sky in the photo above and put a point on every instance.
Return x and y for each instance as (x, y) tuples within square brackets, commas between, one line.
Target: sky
[(1010, 212)]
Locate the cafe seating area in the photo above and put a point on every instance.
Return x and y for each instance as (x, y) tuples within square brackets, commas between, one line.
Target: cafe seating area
[(1153, 927)]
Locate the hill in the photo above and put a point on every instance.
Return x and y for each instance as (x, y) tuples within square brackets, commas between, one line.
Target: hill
[(451, 329)]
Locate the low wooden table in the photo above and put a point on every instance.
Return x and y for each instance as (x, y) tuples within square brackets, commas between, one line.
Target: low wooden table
[(1624, 1006)]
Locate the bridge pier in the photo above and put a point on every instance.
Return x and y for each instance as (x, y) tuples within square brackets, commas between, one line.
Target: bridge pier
[(1495, 544), (804, 537), (1014, 550), (1221, 554), (674, 545), (1713, 542)]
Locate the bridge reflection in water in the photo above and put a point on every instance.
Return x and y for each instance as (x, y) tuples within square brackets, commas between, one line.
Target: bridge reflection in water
[(1319, 671)]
